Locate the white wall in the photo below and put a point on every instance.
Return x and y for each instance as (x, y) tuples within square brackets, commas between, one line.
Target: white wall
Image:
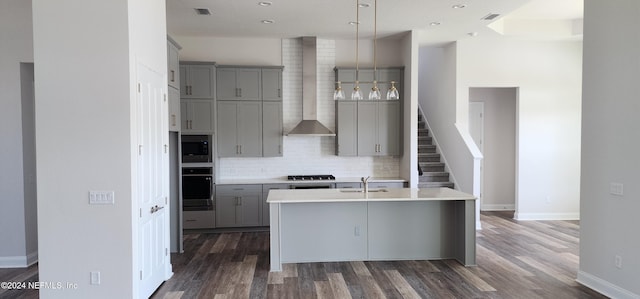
[(16, 46), (230, 51), (609, 224), (389, 52), (499, 146), (548, 75), (409, 160), (84, 136)]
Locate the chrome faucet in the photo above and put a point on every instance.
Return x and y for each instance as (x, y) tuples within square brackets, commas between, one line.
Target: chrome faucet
[(365, 184)]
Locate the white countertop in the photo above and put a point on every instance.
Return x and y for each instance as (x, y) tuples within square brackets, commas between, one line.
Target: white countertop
[(285, 181), (391, 194)]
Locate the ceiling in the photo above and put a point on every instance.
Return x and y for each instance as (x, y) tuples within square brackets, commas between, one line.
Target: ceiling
[(330, 18)]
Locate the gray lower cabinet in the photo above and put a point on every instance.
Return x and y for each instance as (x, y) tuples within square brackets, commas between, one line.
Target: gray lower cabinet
[(346, 128), (239, 129), (272, 129), (383, 185), (196, 116), (378, 128), (265, 194), (198, 219), (238, 205), (349, 185)]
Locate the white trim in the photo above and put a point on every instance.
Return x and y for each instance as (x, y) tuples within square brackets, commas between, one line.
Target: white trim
[(21, 261), (546, 216), (604, 287), (499, 207)]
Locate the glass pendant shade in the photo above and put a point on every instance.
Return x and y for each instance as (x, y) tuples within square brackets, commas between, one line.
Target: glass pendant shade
[(374, 94), (338, 94), (356, 95), (392, 93)]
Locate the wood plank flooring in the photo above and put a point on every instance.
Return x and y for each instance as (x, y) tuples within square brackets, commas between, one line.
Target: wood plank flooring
[(529, 259)]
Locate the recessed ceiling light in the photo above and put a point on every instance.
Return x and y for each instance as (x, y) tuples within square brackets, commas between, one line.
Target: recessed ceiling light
[(457, 6), (354, 23), (203, 11), (265, 3), (472, 34), (364, 5), (435, 24), (268, 21)]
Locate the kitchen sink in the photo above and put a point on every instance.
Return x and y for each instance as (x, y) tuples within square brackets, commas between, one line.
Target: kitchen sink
[(360, 190)]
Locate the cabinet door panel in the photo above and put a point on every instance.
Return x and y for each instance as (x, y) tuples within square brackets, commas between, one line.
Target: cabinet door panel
[(367, 135), (173, 76), (226, 206), (250, 129), (201, 115), (184, 118), (226, 84), (346, 128), (271, 85), (251, 210), (227, 129), (183, 81), (175, 112), (248, 83), (389, 128), (272, 129), (201, 81)]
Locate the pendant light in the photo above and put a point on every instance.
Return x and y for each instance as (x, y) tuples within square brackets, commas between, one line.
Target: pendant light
[(356, 95), (338, 94), (374, 94), (392, 93)]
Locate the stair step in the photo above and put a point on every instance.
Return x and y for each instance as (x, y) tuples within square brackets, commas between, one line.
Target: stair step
[(428, 157), (429, 148), (422, 124), (423, 132), (431, 166), (435, 185), (434, 177), (425, 140)]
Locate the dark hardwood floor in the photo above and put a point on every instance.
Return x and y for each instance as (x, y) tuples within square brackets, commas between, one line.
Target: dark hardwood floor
[(516, 259)]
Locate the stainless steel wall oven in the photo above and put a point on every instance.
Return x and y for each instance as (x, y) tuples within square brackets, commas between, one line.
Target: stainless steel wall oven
[(197, 188)]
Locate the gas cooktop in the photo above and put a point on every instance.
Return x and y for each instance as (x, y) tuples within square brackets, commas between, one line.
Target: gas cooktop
[(318, 177)]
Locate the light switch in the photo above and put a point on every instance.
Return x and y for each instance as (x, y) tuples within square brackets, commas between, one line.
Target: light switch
[(616, 189), (101, 197), (95, 277)]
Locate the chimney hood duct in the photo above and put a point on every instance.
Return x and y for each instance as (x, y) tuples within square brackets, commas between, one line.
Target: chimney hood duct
[(310, 126)]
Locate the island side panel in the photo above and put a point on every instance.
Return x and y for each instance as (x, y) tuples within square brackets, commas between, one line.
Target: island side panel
[(323, 232), (465, 226), (274, 222), (420, 230)]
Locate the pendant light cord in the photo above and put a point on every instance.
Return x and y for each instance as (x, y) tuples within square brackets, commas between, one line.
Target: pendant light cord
[(357, 39), (375, 39)]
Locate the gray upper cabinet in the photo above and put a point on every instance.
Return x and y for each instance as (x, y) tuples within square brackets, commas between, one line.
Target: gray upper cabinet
[(378, 128), (239, 129), (238, 84), (272, 84), (272, 129), (173, 71), (197, 115), (174, 109), (346, 128), (196, 80)]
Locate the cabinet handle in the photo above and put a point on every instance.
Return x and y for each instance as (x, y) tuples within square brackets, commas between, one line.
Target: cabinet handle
[(173, 76), (190, 220), (240, 146), (279, 149), (279, 92), (173, 120)]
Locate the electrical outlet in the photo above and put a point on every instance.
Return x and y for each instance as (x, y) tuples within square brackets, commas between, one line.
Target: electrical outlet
[(101, 197), (616, 189), (95, 277)]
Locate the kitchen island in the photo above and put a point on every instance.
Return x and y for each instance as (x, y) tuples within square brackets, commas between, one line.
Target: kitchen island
[(330, 225)]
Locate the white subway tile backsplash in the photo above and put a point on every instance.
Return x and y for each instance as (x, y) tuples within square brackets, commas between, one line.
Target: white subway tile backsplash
[(308, 155)]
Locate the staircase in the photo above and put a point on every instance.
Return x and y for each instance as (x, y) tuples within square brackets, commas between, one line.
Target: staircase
[(433, 174)]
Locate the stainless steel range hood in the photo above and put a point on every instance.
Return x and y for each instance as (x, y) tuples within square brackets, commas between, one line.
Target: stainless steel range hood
[(310, 126)]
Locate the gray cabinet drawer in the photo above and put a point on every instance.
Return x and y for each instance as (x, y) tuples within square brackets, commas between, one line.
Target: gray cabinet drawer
[(198, 219), (348, 185), (386, 185), (238, 189)]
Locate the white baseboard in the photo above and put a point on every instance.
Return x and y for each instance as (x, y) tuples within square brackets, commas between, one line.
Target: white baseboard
[(32, 258), (604, 287), (21, 261), (547, 216), (498, 207)]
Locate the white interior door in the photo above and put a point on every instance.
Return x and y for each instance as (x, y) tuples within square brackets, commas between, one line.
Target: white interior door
[(476, 129), (152, 180)]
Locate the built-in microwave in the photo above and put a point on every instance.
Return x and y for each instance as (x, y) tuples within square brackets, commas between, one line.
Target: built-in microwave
[(196, 148)]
